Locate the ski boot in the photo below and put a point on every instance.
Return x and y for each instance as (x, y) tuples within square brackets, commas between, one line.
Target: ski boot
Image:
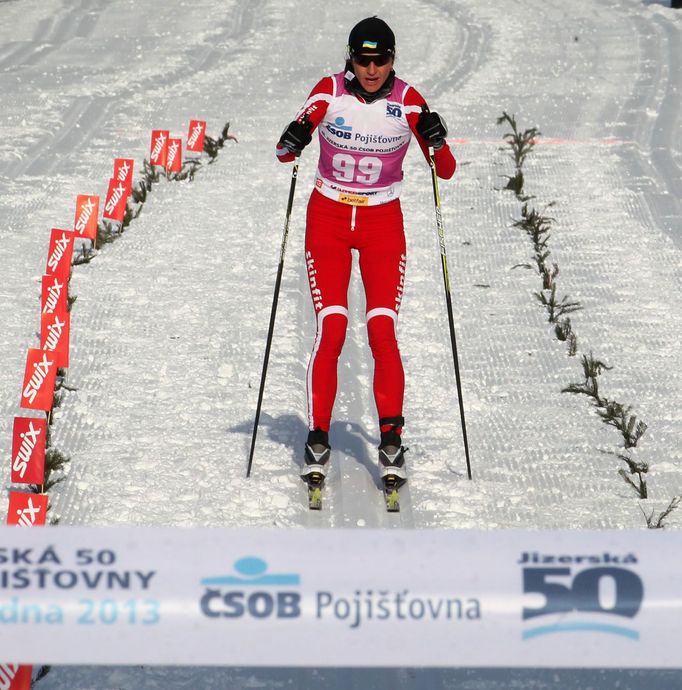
[(392, 463), (316, 459)]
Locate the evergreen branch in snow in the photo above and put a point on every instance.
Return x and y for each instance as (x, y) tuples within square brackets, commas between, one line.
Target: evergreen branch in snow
[(536, 226), (212, 146), (189, 169), (618, 415), (556, 309), (548, 275), (139, 192), (612, 412), (61, 382), (515, 182), (105, 233), (56, 402), (521, 143), (658, 522), (55, 461), (128, 215), (592, 369), (564, 332), (563, 329), (150, 175), (86, 255), (635, 469)]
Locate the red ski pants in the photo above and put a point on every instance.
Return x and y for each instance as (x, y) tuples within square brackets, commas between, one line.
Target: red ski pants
[(376, 232)]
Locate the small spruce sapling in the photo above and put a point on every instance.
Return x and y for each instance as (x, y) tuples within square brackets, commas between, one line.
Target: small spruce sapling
[(521, 144)]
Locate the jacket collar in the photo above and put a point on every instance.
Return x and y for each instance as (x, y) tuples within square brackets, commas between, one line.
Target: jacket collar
[(353, 85)]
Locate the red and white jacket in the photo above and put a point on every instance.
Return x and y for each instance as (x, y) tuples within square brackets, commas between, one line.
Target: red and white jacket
[(362, 145)]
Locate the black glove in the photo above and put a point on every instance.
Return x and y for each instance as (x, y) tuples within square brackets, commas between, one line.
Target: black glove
[(296, 136), (432, 128)]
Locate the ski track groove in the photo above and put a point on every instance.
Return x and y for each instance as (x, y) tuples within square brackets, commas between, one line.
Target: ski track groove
[(74, 20), (650, 157), (469, 52), (354, 433), (42, 158)]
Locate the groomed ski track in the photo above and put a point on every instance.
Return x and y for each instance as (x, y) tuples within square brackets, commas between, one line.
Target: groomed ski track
[(170, 322), (169, 326)]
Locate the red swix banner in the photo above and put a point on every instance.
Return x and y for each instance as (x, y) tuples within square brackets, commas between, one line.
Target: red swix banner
[(26, 509), (60, 254), (28, 451), (85, 224), (195, 136), (54, 295), (123, 170), (159, 148), (174, 158), (55, 330), (15, 677), (39, 380), (117, 197)]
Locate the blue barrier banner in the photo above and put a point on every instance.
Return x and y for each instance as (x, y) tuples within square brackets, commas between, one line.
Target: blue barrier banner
[(254, 597)]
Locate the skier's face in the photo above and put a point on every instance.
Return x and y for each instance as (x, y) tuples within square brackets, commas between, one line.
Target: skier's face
[(370, 73)]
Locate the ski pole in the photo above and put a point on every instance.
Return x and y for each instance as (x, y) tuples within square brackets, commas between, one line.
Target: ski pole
[(448, 302), (273, 313)]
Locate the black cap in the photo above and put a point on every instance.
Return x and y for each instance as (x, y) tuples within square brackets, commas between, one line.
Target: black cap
[(371, 36)]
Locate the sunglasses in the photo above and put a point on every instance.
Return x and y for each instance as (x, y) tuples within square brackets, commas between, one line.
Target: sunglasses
[(378, 60)]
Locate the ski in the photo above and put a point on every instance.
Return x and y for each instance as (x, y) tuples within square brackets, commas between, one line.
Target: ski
[(391, 495), (315, 482), (315, 497)]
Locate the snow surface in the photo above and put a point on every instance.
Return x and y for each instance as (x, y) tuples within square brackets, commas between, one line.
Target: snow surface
[(169, 326)]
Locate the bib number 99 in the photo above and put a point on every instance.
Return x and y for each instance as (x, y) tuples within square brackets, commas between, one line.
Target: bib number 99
[(365, 171)]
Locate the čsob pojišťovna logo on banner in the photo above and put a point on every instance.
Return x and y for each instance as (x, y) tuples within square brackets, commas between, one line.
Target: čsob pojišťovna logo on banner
[(253, 593), (250, 592)]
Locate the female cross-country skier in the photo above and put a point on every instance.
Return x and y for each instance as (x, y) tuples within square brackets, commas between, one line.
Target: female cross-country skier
[(365, 116)]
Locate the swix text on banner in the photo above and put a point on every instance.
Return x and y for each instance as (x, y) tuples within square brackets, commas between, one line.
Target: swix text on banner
[(55, 330), (116, 200), (26, 509), (60, 253), (54, 294), (39, 380), (123, 170), (87, 211), (28, 450), (196, 135), (174, 157), (158, 152), (15, 677)]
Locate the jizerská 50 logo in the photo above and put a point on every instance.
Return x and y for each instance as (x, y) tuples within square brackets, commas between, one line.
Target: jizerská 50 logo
[(580, 593), (393, 110)]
